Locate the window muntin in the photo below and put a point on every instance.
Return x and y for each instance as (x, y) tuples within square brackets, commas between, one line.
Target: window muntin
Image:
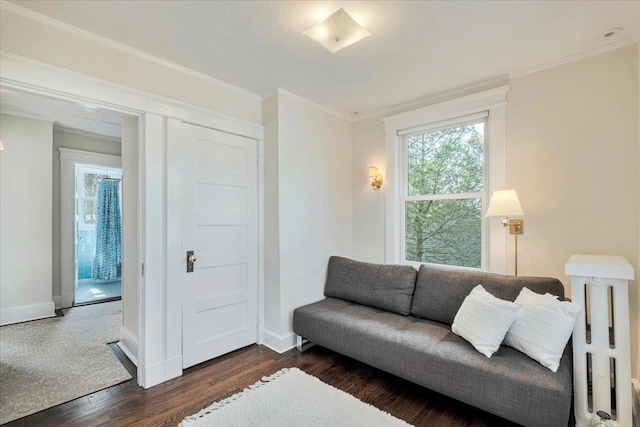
[(444, 194)]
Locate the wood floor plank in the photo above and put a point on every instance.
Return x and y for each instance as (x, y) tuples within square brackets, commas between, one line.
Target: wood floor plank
[(167, 404)]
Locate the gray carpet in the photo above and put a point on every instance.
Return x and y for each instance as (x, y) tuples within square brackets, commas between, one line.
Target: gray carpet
[(48, 362)]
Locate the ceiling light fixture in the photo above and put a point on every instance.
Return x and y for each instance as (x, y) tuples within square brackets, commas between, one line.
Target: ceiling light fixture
[(337, 31)]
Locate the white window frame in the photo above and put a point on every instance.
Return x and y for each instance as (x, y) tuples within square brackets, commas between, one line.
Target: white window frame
[(492, 101), (404, 196)]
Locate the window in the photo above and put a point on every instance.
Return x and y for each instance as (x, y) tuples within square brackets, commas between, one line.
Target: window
[(87, 178), (444, 192)]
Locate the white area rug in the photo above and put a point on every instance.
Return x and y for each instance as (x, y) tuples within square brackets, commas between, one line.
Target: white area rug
[(48, 362), (291, 398)]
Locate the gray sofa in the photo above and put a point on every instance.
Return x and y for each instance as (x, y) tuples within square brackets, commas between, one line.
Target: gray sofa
[(399, 320)]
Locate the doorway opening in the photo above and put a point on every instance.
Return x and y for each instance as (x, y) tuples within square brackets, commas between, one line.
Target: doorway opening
[(98, 204)]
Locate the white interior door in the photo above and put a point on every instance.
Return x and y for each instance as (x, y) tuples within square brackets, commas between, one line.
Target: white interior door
[(220, 225)]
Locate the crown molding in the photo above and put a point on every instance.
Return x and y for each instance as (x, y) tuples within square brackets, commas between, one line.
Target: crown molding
[(80, 132), (291, 95), (500, 80), (438, 97), (54, 23), (460, 106), (575, 57)]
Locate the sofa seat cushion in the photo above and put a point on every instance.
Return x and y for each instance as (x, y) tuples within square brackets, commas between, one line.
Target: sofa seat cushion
[(510, 384), (389, 287), (440, 291)]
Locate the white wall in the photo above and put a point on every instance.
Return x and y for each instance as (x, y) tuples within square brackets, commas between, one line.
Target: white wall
[(313, 203), (572, 155), (25, 219), (34, 40), (272, 294), (368, 205), (94, 144)]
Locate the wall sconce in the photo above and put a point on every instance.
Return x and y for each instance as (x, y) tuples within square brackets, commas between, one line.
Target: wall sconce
[(375, 177), (505, 203)]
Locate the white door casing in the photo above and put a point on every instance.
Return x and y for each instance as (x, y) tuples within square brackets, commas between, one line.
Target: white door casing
[(68, 160), (220, 224)]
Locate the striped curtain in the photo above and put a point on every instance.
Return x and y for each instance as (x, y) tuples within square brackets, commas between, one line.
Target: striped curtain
[(107, 264)]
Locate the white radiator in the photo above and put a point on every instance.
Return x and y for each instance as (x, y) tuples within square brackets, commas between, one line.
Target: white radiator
[(601, 340)]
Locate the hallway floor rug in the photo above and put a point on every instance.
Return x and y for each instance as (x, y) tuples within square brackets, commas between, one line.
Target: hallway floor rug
[(291, 398), (47, 362)]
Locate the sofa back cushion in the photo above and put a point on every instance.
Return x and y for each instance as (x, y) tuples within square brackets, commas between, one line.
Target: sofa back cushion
[(440, 291), (387, 287)]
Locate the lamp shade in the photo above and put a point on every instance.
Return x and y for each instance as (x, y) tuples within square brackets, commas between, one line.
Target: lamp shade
[(504, 203), (373, 172)]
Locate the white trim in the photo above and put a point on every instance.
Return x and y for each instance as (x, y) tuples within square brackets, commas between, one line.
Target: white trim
[(173, 367), (279, 343), (72, 86), (494, 101), (445, 124), (24, 313), (54, 23), (437, 98), (284, 92), (153, 374), (10, 112), (81, 156), (56, 301), (175, 249), (575, 57), (460, 107), (128, 344), (261, 241), (445, 196), (68, 160), (153, 312)]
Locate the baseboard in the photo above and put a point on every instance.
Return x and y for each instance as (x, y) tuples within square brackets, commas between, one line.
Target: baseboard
[(153, 375), (24, 313), (57, 301), (129, 345), (278, 343), (173, 367)]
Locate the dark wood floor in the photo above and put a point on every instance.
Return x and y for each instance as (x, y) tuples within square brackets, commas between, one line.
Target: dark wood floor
[(167, 404)]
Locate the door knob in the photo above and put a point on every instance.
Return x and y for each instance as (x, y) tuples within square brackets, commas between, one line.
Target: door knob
[(191, 259)]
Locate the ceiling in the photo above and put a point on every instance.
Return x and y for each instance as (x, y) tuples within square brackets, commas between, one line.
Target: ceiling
[(65, 115), (416, 48)]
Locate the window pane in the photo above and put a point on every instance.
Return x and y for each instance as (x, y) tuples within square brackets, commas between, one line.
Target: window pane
[(444, 232), (91, 183), (89, 211), (446, 161)]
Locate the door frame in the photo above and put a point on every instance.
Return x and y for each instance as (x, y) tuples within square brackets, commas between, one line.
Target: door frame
[(69, 158), (175, 254), (159, 351)]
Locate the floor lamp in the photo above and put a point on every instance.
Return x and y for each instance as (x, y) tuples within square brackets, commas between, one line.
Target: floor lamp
[(505, 204)]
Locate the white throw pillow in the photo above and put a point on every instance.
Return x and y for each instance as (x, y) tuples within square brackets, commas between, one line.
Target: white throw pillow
[(483, 320), (543, 327)]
